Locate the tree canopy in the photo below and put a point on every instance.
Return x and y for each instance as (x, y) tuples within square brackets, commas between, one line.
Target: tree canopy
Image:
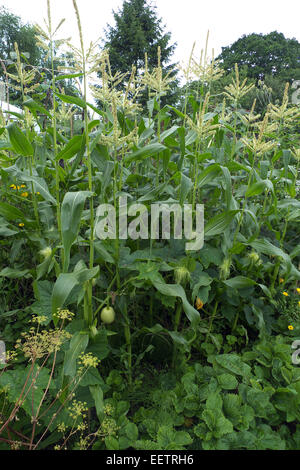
[(13, 30), (269, 54)]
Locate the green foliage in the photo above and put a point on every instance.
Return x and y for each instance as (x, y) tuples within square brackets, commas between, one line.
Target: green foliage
[(199, 355), (240, 402), (137, 31), (13, 30), (269, 54)]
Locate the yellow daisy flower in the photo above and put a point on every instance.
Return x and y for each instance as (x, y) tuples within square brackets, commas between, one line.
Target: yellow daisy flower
[(21, 224), (290, 327), (298, 290), (24, 194), (285, 293)]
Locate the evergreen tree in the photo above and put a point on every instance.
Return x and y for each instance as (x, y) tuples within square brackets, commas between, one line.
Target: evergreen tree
[(137, 31)]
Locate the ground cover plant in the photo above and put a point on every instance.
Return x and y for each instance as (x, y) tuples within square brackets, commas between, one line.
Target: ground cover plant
[(141, 344)]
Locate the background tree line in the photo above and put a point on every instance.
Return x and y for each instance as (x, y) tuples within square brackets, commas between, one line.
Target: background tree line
[(269, 61)]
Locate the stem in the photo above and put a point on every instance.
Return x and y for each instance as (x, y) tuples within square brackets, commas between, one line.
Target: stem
[(177, 319), (127, 334), (212, 317), (88, 306)]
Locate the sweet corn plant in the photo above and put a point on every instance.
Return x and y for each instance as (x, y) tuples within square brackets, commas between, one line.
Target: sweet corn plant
[(137, 303)]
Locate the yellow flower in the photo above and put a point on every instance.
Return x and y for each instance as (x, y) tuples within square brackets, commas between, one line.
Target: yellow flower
[(298, 303), (281, 280), (18, 187), (13, 186), (24, 194), (199, 303), (38, 193), (285, 293), (23, 186), (88, 360), (290, 327), (21, 225), (298, 290)]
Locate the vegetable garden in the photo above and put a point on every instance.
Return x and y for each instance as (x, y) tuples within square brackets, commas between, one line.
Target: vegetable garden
[(138, 343)]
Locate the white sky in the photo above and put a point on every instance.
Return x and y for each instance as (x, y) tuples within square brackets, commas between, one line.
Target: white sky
[(187, 20)]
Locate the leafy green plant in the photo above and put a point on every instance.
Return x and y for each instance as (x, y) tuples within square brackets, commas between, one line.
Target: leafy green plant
[(220, 318)]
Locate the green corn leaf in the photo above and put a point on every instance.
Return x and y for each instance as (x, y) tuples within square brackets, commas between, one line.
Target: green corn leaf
[(258, 187), (239, 282), (66, 282), (34, 107), (145, 152), (19, 141), (78, 345), (219, 223), (71, 148), (72, 100), (10, 212)]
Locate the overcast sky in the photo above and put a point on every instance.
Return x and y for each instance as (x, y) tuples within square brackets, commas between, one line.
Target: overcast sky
[(187, 20)]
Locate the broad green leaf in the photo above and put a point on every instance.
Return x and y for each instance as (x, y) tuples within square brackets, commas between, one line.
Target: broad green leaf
[(68, 76), (208, 175), (34, 107), (175, 290), (15, 273), (145, 152), (71, 148), (6, 232), (234, 364), (71, 99), (66, 282), (111, 443), (228, 186), (239, 282), (219, 223), (15, 382), (71, 210), (185, 187), (78, 345), (97, 394), (131, 431), (40, 185), (18, 115), (4, 145), (266, 247), (168, 132), (227, 381), (10, 212), (259, 187), (19, 141)]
